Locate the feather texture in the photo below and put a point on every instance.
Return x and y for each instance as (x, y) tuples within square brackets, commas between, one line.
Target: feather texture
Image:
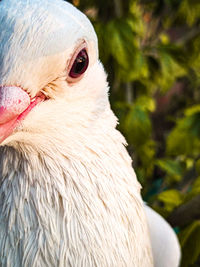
[(72, 207), (68, 193)]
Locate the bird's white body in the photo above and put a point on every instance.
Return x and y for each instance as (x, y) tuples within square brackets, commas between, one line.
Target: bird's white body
[(68, 194), (164, 242), (72, 206)]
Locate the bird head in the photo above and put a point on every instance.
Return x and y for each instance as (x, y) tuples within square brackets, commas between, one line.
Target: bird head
[(51, 79)]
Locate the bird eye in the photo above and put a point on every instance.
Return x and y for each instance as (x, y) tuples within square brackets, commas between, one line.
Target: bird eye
[(80, 64)]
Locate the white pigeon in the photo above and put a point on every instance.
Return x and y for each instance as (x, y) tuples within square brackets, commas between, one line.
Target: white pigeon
[(68, 194)]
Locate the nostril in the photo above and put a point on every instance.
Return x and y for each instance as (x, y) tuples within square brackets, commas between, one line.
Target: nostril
[(13, 101)]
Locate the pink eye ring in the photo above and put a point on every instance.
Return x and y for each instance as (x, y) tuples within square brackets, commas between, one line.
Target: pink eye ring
[(79, 65)]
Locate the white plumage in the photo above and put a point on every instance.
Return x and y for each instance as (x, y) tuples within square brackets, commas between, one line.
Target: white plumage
[(68, 193), (164, 242)]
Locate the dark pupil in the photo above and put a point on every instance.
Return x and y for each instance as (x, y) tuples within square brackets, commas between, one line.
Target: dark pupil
[(80, 64)]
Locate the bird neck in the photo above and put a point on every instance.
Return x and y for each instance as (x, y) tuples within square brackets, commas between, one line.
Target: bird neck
[(98, 152)]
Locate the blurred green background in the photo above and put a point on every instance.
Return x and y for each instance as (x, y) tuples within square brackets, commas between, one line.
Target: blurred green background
[(151, 52)]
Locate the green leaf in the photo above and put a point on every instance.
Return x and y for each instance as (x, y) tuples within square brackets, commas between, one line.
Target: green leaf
[(120, 42), (170, 68), (138, 125), (192, 110), (190, 10), (195, 188), (164, 38), (184, 138), (190, 240), (171, 199), (172, 168), (146, 103), (146, 154)]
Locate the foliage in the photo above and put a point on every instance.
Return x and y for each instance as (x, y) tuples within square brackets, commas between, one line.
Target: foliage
[(151, 51), (189, 239)]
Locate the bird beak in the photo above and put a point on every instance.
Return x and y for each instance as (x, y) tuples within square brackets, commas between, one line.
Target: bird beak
[(13, 102)]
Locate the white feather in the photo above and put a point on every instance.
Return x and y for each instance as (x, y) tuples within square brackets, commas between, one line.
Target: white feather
[(68, 193), (165, 245)]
